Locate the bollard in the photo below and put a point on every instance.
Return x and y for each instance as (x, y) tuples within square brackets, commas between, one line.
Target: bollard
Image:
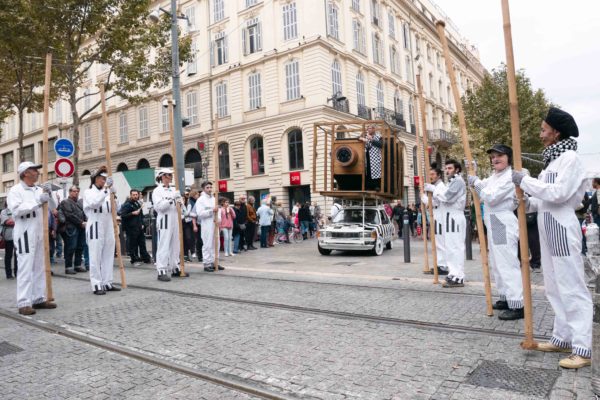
[(406, 234), (468, 239)]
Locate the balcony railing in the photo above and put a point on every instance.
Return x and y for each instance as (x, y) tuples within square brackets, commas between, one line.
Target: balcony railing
[(390, 116), (342, 105), (364, 111), (442, 137)]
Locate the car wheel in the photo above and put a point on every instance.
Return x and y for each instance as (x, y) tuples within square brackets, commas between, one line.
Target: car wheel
[(323, 251), (378, 248), (390, 244)]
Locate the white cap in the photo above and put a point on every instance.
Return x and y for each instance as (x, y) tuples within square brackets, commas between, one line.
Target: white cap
[(25, 165), (162, 172)]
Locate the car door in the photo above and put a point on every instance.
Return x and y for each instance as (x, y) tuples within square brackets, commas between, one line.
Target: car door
[(386, 225)]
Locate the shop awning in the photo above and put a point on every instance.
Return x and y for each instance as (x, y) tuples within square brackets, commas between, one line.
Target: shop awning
[(140, 179)]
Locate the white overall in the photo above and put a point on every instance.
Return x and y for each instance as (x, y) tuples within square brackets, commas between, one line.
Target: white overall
[(100, 236), (497, 194), (555, 195), (28, 235), (454, 225), (439, 224), (167, 229), (204, 210)]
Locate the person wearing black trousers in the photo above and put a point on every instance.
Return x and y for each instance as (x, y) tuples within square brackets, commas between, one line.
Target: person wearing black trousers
[(7, 224)]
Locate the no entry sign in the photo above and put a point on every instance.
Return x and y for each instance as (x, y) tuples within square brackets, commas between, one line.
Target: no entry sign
[(63, 167)]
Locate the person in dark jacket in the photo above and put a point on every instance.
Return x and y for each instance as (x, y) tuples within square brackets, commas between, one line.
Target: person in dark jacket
[(241, 219), (304, 218), (72, 220), (251, 224), (132, 217)]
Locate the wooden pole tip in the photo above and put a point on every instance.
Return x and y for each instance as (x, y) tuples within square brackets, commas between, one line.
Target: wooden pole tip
[(441, 23)]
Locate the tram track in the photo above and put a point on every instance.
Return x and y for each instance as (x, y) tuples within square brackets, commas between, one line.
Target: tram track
[(434, 326)]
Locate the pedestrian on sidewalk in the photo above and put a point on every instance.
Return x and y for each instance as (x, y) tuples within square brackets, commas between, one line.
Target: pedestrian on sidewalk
[(72, 222), (265, 216), (7, 225), (207, 211), (226, 225), (25, 201), (251, 224), (555, 195), (132, 217)]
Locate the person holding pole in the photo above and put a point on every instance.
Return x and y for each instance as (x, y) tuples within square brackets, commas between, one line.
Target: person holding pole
[(25, 202), (100, 235), (206, 211), (436, 187), (165, 198), (451, 201), (555, 195), (497, 194)]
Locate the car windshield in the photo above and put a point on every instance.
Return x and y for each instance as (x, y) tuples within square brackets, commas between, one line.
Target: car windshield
[(354, 216)]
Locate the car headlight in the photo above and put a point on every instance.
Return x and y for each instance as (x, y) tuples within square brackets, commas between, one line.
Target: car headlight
[(323, 234), (366, 234)]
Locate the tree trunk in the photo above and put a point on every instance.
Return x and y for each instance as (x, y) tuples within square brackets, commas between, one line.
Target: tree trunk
[(75, 138), (20, 136)]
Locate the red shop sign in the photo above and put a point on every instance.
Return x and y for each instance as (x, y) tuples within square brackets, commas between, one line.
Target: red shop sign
[(416, 180), (222, 186), (295, 178)]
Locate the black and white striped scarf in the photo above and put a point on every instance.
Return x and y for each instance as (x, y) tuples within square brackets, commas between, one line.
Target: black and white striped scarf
[(555, 150)]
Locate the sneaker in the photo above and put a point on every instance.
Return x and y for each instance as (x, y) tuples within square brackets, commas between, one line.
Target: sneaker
[(440, 271), (500, 305), (99, 292), (137, 264), (194, 255), (231, 255), (26, 310), (164, 278), (574, 361), (549, 347), (220, 268), (111, 288), (226, 255), (80, 269), (70, 271), (453, 284), (512, 314), (46, 305), (209, 268), (177, 274)]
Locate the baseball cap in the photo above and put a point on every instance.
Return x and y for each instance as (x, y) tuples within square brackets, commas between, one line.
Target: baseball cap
[(25, 165)]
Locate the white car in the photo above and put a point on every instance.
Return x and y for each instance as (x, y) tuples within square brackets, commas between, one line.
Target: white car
[(354, 230)]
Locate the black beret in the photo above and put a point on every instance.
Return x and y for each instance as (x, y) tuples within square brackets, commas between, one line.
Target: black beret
[(562, 121), (501, 148)]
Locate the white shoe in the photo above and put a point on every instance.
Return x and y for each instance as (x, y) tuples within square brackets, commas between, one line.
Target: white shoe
[(226, 255), (194, 255), (231, 255)]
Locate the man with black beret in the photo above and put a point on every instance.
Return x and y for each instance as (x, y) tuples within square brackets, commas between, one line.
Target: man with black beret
[(555, 195)]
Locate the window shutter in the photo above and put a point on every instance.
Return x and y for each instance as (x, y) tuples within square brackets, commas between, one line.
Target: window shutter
[(225, 50), (212, 53), (244, 41), (258, 36)]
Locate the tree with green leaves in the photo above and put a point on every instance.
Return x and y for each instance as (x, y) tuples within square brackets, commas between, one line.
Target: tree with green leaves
[(488, 116)]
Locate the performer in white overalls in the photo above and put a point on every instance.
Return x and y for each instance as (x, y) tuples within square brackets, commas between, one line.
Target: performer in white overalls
[(165, 199), (436, 187), (451, 202), (555, 195), (497, 194), (99, 231), (205, 210), (25, 202)]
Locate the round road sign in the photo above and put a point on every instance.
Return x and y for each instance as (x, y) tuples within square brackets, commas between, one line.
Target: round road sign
[(64, 147), (63, 167)]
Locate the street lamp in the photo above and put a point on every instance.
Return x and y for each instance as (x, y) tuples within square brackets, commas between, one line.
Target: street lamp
[(177, 121)]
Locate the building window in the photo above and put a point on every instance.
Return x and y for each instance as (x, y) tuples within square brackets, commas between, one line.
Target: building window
[(192, 64), (123, 135), (406, 36), (224, 172), (164, 117), (221, 90), (392, 25), (250, 3), (251, 37), (190, 14), (449, 98), (394, 60), (411, 114), (7, 185), (358, 33), (8, 162), (87, 138), (28, 154), (143, 122), (375, 12), (192, 108), (431, 86), (415, 160), (356, 5), (398, 103), (409, 75), (360, 89), (51, 152), (101, 135), (377, 49), (219, 56), (58, 111), (218, 10), (438, 61), (380, 95), (290, 26), (87, 100), (428, 50), (295, 151), (254, 91), (292, 80), (440, 91), (257, 156), (336, 77), (333, 28)]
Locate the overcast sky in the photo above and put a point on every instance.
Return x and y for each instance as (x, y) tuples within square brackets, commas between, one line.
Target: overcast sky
[(556, 42)]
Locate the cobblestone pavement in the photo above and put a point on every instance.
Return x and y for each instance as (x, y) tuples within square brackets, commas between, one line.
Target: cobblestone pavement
[(308, 354)]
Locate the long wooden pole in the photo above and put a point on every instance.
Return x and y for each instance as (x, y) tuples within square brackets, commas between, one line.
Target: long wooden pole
[(427, 180), (113, 203), (528, 343), (46, 230), (420, 171), (440, 25), (176, 180), (216, 194)]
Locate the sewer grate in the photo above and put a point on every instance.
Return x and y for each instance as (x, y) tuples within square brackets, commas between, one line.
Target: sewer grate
[(531, 381), (281, 262), (7, 348)]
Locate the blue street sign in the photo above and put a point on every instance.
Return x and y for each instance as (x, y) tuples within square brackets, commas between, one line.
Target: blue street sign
[(64, 147)]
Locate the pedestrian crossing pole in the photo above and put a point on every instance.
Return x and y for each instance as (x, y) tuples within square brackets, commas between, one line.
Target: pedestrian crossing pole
[(513, 101), (113, 203), (216, 194), (440, 25), (45, 228)]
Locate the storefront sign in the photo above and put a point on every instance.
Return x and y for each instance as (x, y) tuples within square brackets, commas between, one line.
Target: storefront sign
[(222, 186), (416, 180), (295, 178)]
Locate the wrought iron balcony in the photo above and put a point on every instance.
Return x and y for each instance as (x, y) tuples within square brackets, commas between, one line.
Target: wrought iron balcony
[(341, 105), (441, 137), (364, 111), (389, 116)]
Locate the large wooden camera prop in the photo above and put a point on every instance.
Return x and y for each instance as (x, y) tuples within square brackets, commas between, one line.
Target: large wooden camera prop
[(344, 157)]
